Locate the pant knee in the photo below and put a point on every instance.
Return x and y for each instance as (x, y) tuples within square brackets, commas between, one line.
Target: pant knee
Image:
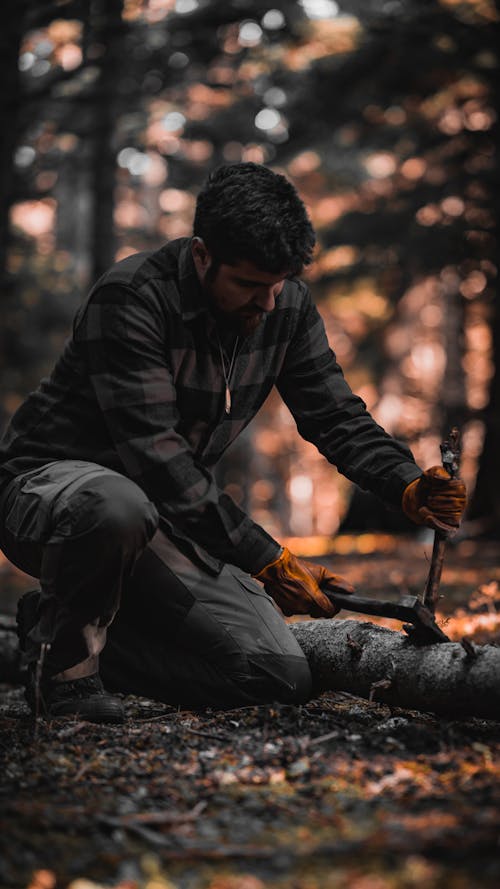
[(296, 686), (125, 509), (116, 509), (302, 682), (285, 678)]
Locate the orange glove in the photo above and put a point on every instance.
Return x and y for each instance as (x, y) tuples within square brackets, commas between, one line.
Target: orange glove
[(296, 586), (435, 499)]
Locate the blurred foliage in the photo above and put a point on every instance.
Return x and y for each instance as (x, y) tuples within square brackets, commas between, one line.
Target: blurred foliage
[(383, 113)]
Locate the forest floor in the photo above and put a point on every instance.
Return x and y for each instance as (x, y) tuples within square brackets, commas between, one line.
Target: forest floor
[(340, 793)]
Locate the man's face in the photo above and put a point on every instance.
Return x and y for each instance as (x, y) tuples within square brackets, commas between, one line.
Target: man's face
[(240, 294)]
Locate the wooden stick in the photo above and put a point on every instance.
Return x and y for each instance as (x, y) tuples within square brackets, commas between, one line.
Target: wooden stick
[(450, 458)]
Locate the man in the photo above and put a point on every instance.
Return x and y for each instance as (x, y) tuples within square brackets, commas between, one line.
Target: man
[(107, 492)]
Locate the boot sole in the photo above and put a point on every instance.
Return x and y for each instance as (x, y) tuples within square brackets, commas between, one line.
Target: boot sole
[(90, 710)]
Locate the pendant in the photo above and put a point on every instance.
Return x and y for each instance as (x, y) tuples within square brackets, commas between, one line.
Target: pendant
[(228, 400)]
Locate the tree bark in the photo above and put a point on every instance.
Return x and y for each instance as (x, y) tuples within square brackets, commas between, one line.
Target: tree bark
[(10, 661), (484, 509), (484, 506), (371, 661), (107, 29), (12, 28), (354, 656)]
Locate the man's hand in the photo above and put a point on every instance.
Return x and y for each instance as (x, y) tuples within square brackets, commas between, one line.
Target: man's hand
[(435, 499), (297, 586)]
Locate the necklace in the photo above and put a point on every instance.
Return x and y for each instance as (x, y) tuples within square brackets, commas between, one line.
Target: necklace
[(227, 373)]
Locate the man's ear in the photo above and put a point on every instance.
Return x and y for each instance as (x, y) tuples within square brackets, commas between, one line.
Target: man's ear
[(201, 257)]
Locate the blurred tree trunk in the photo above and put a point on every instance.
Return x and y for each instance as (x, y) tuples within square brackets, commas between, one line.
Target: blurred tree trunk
[(453, 397), (12, 29), (107, 29), (484, 508)]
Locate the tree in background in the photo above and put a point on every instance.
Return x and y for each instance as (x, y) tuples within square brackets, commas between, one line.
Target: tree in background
[(382, 113)]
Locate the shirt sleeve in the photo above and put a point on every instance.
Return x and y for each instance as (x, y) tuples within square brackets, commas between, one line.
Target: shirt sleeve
[(333, 418), (122, 337)]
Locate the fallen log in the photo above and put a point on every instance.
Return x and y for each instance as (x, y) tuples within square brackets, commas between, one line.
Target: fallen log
[(372, 662), (451, 679)]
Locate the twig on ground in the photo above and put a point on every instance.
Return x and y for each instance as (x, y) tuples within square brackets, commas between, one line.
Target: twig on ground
[(135, 822), (323, 738), (44, 650), (381, 684), (210, 737)]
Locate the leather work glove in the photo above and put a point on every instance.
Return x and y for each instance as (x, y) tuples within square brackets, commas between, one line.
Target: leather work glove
[(435, 499), (297, 586)]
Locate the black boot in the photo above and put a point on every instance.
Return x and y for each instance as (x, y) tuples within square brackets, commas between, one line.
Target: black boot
[(85, 698)]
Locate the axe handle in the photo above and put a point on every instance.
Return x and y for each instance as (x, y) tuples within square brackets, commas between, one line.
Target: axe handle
[(431, 592), (412, 611), (365, 605), (450, 454)]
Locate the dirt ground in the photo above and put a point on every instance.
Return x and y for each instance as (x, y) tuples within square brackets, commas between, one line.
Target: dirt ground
[(340, 793)]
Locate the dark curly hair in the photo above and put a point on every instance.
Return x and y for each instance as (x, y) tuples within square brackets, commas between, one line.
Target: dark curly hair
[(245, 211)]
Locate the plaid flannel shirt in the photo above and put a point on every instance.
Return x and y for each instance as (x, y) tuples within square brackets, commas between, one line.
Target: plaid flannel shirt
[(139, 388)]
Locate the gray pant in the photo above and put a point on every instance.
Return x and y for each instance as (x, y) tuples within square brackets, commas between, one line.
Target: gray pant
[(113, 584)]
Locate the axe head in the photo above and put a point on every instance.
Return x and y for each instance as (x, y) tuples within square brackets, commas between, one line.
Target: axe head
[(421, 624), (423, 628)]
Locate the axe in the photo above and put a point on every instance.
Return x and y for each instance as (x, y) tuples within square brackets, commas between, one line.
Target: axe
[(420, 623)]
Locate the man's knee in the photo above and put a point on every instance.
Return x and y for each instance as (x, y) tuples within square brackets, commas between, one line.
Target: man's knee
[(280, 677), (296, 681), (115, 507)]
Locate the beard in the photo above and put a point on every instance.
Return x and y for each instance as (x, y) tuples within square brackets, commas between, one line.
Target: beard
[(242, 323), (249, 322)]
